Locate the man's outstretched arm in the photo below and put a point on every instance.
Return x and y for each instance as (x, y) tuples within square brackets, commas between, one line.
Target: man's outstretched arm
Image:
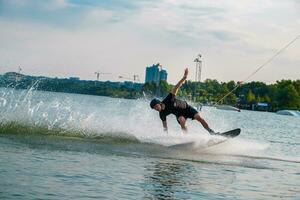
[(178, 85)]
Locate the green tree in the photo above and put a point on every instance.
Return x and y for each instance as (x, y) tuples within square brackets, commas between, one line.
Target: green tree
[(288, 97), (165, 88), (150, 88), (250, 97)]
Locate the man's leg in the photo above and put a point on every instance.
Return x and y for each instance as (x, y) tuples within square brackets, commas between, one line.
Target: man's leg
[(203, 122), (182, 121)]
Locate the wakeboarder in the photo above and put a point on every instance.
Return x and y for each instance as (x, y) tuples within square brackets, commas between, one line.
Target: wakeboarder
[(181, 109)]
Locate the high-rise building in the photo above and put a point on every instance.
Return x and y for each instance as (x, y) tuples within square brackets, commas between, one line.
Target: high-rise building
[(163, 75), (153, 74)]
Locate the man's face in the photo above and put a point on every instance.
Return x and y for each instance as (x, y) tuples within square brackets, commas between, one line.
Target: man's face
[(157, 107)]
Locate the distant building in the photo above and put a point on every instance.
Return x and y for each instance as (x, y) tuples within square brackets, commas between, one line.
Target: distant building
[(163, 75), (261, 106), (153, 74), (13, 76), (110, 84), (128, 84), (74, 78), (131, 85)]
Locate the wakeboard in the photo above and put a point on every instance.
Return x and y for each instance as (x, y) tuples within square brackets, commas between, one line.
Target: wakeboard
[(229, 134), (190, 145)]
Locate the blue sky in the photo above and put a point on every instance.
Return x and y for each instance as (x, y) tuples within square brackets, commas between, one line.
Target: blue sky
[(76, 38)]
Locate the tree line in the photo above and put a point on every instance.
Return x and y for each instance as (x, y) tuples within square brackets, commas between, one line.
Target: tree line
[(284, 94)]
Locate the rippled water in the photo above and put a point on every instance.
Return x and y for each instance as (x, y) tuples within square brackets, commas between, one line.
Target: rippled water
[(64, 146)]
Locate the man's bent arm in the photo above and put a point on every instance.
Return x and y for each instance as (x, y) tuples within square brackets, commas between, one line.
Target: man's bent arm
[(165, 125), (178, 85)]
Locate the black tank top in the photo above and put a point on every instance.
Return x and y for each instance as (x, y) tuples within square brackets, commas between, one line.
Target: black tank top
[(172, 106)]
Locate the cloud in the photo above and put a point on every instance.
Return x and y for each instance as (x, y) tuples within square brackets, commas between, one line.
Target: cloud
[(56, 13), (61, 36), (224, 35)]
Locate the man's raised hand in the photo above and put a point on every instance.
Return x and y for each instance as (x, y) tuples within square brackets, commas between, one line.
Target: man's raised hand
[(186, 72)]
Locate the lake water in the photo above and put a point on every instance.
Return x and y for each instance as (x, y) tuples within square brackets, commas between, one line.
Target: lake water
[(70, 146)]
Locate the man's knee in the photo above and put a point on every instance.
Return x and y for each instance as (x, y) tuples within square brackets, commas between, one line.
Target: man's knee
[(181, 121), (197, 116)]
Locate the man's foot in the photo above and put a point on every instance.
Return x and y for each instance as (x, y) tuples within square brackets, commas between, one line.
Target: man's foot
[(212, 132)]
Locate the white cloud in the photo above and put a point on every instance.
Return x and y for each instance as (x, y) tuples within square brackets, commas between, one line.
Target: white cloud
[(234, 38)]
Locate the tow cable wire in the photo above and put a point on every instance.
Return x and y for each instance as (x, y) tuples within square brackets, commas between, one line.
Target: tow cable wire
[(258, 69)]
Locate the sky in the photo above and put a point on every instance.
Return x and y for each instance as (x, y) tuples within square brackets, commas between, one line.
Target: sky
[(76, 38)]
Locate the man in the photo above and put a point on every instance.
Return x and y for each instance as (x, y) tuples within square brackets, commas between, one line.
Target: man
[(182, 111)]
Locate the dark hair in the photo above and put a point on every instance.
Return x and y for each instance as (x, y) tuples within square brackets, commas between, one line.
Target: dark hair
[(154, 102)]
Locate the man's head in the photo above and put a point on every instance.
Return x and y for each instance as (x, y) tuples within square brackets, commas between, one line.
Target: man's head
[(155, 104)]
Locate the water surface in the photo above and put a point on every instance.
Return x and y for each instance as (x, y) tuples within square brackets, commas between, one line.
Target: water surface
[(64, 146)]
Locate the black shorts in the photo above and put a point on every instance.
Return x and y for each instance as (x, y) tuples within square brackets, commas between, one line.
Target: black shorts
[(189, 112)]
